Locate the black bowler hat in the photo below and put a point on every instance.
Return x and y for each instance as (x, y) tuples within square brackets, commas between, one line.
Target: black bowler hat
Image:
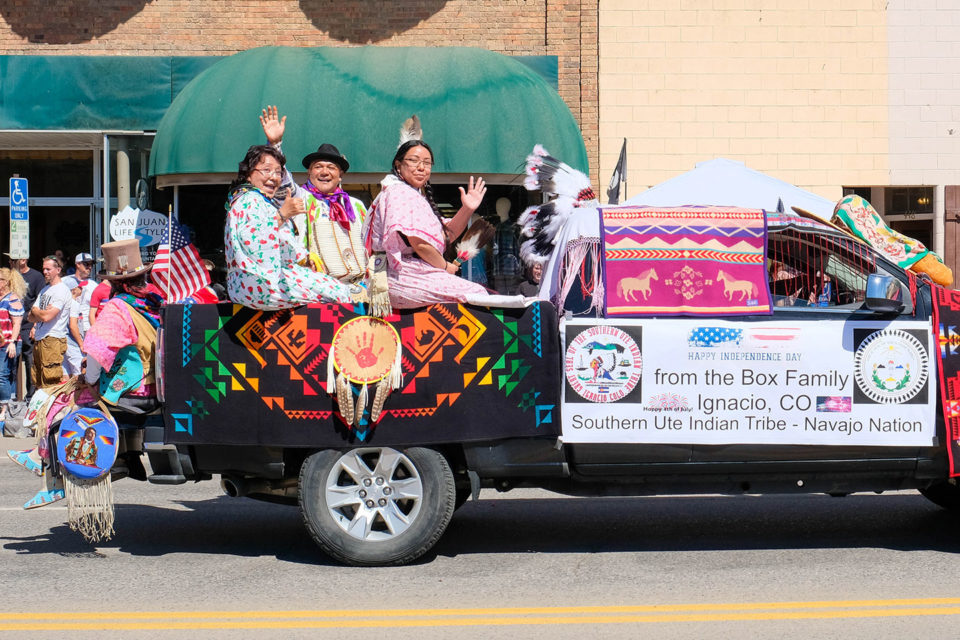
[(326, 151)]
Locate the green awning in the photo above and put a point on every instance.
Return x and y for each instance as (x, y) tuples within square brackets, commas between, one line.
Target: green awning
[(93, 93), (482, 112)]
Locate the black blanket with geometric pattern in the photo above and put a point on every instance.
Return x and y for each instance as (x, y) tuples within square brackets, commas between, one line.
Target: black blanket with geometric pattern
[(234, 375)]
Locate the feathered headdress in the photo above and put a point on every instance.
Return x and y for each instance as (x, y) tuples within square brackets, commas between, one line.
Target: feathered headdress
[(410, 130), (569, 189)]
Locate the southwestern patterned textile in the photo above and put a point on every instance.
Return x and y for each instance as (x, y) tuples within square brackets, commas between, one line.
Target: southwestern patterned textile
[(235, 375), (946, 322), (684, 261)]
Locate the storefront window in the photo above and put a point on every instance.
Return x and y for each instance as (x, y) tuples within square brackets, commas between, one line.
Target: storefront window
[(863, 192), (902, 200), (129, 161), (51, 174)]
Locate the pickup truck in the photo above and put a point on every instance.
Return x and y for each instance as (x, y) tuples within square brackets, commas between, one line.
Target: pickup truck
[(833, 393)]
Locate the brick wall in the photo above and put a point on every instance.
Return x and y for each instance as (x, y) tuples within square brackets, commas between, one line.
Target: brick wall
[(565, 28)]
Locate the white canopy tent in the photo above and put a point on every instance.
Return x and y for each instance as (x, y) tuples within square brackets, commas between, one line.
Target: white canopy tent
[(725, 182)]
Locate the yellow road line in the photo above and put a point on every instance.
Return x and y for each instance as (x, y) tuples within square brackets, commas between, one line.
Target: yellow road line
[(473, 622), (524, 616), (352, 613)]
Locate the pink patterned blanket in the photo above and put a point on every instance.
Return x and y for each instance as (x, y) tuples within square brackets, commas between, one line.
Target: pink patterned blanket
[(684, 261)]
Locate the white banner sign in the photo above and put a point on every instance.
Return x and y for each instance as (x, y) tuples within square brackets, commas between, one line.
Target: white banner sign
[(691, 381), (147, 226)]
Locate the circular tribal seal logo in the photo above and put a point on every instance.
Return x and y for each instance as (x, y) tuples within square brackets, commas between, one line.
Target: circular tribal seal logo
[(890, 366), (603, 364)]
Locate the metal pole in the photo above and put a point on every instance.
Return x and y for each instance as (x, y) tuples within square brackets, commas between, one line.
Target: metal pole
[(166, 293), (106, 188), (96, 230), (123, 179), (939, 219)]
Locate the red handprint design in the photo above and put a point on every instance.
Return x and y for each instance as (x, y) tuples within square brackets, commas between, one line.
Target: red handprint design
[(364, 355)]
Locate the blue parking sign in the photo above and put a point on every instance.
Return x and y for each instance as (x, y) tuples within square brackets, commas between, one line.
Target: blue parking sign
[(19, 198)]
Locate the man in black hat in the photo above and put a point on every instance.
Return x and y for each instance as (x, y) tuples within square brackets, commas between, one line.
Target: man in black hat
[(330, 228)]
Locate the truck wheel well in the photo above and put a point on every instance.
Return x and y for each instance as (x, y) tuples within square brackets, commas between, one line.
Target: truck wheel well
[(293, 459)]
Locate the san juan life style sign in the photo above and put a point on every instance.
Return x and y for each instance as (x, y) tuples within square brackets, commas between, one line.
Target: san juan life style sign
[(19, 218), (693, 381), (144, 225)]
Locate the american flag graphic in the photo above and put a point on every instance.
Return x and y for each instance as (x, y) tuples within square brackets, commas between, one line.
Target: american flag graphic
[(178, 270), (714, 337), (834, 404)]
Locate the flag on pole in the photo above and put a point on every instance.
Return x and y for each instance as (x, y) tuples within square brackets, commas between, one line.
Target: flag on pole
[(178, 269), (619, 176)]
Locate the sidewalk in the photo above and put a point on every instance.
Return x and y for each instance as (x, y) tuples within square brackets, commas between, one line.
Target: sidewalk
[(8, 442)]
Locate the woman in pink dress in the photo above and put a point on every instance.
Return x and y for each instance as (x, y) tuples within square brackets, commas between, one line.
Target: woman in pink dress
[(406, 225)]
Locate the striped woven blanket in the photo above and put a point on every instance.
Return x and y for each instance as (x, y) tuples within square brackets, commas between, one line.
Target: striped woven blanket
[(946, 327), (684, 261)]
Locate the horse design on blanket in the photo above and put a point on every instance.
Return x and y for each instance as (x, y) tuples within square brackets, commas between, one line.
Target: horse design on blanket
[(664, 261), (628, 288), (745, 288)]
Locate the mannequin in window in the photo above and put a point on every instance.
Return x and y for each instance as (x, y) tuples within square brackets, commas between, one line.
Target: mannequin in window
[(506, 258)]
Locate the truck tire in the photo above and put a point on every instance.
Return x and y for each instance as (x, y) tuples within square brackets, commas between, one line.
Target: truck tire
[(943, 494), (376, 505)]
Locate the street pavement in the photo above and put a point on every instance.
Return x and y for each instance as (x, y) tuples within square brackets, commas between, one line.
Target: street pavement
[(521, 564)]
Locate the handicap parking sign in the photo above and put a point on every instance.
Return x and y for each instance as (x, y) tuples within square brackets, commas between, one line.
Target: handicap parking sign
[(19, 218), (19, 207)]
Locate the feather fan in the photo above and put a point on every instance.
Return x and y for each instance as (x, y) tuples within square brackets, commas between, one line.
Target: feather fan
[(479, 235)]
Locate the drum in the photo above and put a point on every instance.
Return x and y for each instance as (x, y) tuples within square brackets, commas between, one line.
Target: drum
[(87, 443)]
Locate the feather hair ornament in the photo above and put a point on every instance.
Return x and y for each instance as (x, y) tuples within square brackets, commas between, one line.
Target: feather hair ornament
[(479, 235), (568, 189), (410, 130)]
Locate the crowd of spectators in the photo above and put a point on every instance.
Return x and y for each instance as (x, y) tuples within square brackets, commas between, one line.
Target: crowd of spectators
[(44, 316)]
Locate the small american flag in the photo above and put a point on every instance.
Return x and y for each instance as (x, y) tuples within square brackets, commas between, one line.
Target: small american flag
[(714, 337), (178, 270)]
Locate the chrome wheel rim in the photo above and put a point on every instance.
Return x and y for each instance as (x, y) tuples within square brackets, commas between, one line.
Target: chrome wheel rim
[(374, 494)]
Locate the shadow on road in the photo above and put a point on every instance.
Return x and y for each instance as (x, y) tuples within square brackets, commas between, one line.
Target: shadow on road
[(246, 528), (902, 522), (222, 526)]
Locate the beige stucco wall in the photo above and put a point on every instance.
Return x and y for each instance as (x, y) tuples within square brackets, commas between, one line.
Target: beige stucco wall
[(797, 89), (924, 97)]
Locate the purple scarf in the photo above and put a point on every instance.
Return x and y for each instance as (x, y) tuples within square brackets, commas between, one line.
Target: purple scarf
[(341, 209)]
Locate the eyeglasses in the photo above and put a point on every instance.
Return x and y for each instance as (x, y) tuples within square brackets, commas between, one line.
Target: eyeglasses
[(413, 163), (266, 174)]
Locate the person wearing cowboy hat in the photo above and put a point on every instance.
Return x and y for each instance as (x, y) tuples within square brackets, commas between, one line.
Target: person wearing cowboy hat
[(330, 228), (121, 344), (121, 359)]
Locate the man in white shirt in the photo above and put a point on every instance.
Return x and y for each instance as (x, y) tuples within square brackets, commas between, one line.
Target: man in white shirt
[(81, 287), (51, 317), (84, 263)]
